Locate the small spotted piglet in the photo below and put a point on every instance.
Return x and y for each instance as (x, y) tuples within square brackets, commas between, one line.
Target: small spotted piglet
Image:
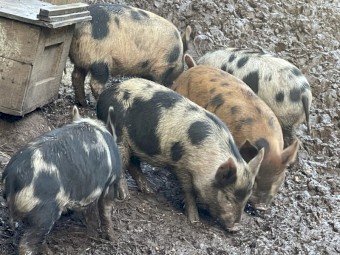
[(279, 83), (72, 167)]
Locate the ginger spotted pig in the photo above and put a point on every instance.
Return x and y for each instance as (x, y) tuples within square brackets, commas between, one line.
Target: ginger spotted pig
[(247, 117)]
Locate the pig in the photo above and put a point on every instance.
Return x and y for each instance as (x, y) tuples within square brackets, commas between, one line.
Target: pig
[(127, 41), (276, 81), (156, 125), (77, 166), (248, 119)]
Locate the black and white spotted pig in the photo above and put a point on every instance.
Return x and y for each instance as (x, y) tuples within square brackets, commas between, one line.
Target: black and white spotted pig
[(71, 167), (123, 40), (157, 125), (276, 81)]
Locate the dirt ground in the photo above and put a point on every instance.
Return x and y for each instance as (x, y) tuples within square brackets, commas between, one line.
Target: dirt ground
[(304, 217)]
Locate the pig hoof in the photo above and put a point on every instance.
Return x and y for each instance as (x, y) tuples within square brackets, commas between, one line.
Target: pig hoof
[(193, 218), (235, 228), (261, 207), (45, 249), (81, 102), (145, 188)]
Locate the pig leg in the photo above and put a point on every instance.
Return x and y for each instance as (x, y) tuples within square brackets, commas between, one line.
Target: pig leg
[(99, 76), (121, 188), (189, 196), (78, 79), (40, 223), (91, 214), (105, 212), (288, 136), (137, 174)]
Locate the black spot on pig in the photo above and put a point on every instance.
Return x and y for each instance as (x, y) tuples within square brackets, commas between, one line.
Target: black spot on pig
[(100, 20), (198, 132), (117, 21), (269, 78), (296, 71), (224, 84), (136, 15), (235, 109), (235, 150), (279, 97), (262, 143), (271, 122), (100, 72), (49, 185), (145, 124), (126, 95), (247, 121), (241, 194), (213, 80), (295, 95), (168, 76), (177, 151), (193, 108), (224, 67), (230, 71), (252, 80), (231, 58), (143, 13), (217, 100), (144, 64), (174, 54), (164, 100), (114, 8), (305, 85), (258, 110), (242, 62)]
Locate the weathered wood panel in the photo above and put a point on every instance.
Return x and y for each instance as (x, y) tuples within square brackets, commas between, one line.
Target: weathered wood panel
[(18, 41), (13, 83)]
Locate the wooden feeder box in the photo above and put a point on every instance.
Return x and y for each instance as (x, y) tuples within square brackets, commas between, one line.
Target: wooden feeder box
[(35, 39)]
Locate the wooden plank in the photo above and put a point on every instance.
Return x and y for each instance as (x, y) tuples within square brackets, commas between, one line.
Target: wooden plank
[(64, 17), (68, 22), (27, 10), (62, 9)]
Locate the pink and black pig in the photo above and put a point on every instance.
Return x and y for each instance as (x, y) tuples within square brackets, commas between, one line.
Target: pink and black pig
[(156, 125), (127, 41), (75, 167), (248, 119), (276, 81)]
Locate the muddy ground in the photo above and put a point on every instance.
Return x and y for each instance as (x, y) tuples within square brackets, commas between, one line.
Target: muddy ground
[(305, 215)]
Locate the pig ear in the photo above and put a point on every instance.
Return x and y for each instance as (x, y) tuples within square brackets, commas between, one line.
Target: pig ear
[(186, 38), (289, 154), (110, 121), (248, 151), (226, 173), (255, 163), (75, 114), (189, 60)]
